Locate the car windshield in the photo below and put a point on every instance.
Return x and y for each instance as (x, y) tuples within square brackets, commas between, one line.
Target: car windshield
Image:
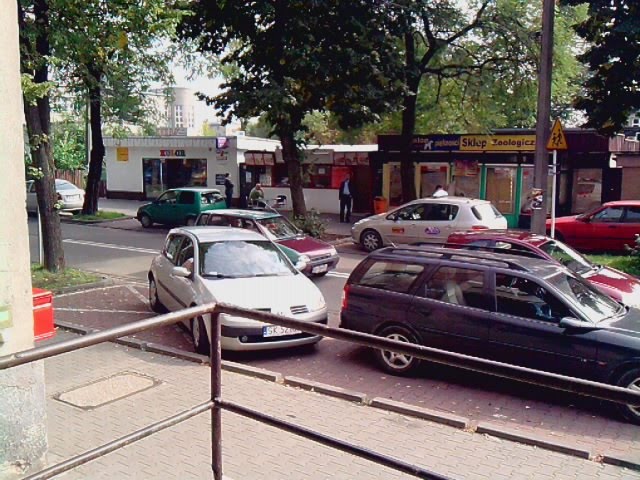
[(485, 211), (242, 259), (64, 185), (593, 304), (567, 256), (279, 227)]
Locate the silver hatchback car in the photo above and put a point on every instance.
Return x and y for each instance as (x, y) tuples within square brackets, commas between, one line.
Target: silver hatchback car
[(426, 220)]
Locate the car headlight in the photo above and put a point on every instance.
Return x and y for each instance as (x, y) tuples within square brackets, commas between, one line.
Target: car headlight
[(333, 251), (317, 304)]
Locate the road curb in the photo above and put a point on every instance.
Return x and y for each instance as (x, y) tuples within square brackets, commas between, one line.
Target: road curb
[(340, 241), (621, 462), (420, 412), (444, 418), (533, 440), (325, 389), (65, 219), (105, 282)]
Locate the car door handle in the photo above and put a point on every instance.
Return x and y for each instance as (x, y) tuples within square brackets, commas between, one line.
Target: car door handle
[(613, 226)]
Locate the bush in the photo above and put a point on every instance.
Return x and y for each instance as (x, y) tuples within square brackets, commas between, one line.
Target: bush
[(635, 249), (311, 224)]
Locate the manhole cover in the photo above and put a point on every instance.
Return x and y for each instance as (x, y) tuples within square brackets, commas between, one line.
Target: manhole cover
[(107, 390)]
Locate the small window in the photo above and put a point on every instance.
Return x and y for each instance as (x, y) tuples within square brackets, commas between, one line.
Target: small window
[(485, 211), (218, 221), (522, 297), (203, 219), (632, 215), (440, 212), (187, 198), (458, 286), (171, 247), (211, 198), (185, 256), (408, 213), (393, 276), (608, 215)]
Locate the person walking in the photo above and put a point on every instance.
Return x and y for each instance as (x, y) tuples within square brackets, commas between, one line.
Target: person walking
[(440, 192), (345, 195), (228, 189)]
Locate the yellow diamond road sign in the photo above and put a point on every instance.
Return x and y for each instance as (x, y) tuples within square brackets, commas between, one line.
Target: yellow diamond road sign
[(557, 140)]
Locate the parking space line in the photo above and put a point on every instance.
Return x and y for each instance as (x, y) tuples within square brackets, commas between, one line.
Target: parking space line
[(137, 294), (111, 245), (98, 310)]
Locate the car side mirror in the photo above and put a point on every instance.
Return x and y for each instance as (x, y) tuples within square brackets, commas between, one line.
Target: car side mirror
[(393, 217), (575, 324), (180, 272), (584, 219)]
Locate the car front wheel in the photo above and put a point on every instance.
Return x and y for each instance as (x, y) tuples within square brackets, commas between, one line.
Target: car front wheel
[(630, 380), (155, 304), (397, 363), (145, 220), (200, 338), (371, 240)]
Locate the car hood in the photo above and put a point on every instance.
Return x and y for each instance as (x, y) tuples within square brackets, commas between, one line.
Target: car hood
[(305, 244), (619, 285), (278, 294), (563, 220), (628, 324)]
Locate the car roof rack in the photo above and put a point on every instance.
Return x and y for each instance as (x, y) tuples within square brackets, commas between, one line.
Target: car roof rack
[(486, 248), (449, 253)]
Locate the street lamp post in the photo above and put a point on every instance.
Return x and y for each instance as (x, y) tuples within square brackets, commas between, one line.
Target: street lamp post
[(541, 165)]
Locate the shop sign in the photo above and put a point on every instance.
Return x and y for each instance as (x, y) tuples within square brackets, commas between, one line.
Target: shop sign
[(351, 158), (222, 142), (172, 153), (435, 143), (259, 158), (220, 178), (497, 143), (122, 154)]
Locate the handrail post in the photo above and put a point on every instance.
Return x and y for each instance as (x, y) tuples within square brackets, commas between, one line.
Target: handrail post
[(215, 356)]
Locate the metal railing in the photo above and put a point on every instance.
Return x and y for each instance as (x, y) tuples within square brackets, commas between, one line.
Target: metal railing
[(216, 403)]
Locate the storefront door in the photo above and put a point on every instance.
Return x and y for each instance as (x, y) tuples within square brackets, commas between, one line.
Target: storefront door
[(501, 188), (432, 175)]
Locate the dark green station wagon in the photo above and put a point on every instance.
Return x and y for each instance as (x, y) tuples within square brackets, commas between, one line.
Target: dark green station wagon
[(180, 206)]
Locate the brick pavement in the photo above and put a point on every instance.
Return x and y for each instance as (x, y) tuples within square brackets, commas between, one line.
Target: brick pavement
[(255, 451), (561, 418)]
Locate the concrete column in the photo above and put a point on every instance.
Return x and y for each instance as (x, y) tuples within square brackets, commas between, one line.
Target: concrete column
[(23, 439)]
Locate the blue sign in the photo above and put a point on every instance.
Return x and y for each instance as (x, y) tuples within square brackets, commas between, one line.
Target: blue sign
[(436, 143)]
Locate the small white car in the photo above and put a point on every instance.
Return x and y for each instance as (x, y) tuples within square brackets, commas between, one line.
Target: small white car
[(200, 265), (70, 197), (426, 220)]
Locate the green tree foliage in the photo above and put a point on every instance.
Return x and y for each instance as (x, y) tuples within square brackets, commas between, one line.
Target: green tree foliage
[(111, 49), (293, 57), (69, 146), (612, 92)]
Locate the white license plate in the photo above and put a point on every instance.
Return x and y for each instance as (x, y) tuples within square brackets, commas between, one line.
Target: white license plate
[(278, 331), (319, 269), (72, 198)]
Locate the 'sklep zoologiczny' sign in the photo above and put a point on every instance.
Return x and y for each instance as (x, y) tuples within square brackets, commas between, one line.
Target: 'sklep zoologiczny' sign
[(497, 143)]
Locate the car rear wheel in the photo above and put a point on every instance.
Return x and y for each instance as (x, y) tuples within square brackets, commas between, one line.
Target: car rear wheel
[(371, 240), (155, 304), (200, 338), (630, 380), (397, 363), (145, 220)]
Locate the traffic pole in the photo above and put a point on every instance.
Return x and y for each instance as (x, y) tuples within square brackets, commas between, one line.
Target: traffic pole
[(554, 166)]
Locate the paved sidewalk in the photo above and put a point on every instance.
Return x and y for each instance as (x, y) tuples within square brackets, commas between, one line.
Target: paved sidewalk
[(252, 450)]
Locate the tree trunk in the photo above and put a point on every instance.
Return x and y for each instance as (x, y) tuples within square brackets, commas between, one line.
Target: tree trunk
[(407, 170), (291, 158), (96, 157), (39, 129)]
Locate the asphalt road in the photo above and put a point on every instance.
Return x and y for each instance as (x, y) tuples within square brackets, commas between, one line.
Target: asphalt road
[(127, 251)]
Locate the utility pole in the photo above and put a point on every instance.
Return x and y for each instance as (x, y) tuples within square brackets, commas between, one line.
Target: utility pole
[(541, 160), (23, 435)]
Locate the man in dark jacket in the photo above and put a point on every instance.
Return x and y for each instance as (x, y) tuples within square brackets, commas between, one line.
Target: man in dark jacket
[(228, 189), (346, 194)]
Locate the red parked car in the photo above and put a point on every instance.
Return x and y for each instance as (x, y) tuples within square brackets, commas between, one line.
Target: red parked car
[(618, 285), (607, 228)]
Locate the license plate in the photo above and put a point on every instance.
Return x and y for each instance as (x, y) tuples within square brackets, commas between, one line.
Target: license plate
[(72, 198), (319, 268), (278, 331)]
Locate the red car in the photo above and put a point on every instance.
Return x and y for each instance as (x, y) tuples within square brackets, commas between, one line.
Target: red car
[(607, 228), (618, 285)]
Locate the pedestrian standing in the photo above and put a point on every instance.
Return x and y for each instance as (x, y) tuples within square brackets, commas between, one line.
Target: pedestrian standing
[(440, 192), (345, 195), (228, 189), (256, 196)]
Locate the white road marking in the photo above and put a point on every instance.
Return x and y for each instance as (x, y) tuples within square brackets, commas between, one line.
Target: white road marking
[(111, 245), (338, 274), (138, 295), (86, 291)]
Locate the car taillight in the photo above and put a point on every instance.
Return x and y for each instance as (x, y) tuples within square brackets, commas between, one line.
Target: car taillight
[(479, 227), (345, 296)]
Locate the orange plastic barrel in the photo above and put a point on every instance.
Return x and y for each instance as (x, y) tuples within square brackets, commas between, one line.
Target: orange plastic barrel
[(380, 205), (42, 314)]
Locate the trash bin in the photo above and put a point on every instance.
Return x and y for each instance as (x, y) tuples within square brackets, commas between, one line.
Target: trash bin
[(380, 205), (42, 314)]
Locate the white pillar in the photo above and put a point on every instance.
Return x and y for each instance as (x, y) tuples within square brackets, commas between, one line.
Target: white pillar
[(23, 439)]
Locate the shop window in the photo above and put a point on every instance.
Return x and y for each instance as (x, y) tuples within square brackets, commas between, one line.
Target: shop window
[(316, 176), (395, 185), (501, 188), (466, 179), (527, 187), (587, 189), (280, 176), (430, 177)]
